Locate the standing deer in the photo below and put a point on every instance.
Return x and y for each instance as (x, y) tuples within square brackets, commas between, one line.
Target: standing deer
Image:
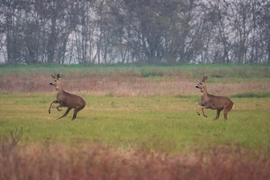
[(209, 101), (65, 99)]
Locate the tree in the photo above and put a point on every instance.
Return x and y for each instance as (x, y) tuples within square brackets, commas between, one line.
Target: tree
[(138, 31)]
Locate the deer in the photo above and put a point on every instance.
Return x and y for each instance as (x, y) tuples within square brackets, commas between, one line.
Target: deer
[(65, 99), (209, 101)]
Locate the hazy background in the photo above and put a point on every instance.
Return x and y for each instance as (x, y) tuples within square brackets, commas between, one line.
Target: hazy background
[(134, 31)]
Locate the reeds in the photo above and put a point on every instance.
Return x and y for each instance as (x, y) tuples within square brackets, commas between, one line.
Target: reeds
[(56, 161), (125, 83)]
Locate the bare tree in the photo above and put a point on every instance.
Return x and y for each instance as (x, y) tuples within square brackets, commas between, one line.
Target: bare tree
[(142, 31)]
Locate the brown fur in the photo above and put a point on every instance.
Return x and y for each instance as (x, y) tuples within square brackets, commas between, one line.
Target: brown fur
[(209, 101), (65, 99)]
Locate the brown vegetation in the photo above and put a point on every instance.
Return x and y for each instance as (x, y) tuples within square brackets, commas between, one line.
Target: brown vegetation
[(121, 84), (55, 161)]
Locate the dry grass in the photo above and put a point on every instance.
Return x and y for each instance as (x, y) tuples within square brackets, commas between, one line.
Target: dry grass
[(122, 84), (56, 161)]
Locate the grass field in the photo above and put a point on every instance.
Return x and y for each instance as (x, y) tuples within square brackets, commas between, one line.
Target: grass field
[(139, 122)]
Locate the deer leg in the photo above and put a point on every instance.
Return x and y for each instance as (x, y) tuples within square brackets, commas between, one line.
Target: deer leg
[(76, 110), (225, 113), (201, 105), (204, 107), (51, 106), (203, 111), (218, 113), (227, 109), (198, 104), (67, 111), (59, 107), (75, 114)]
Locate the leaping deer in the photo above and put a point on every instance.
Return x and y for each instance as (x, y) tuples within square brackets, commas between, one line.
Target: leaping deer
[(209, 101), (65, 99)]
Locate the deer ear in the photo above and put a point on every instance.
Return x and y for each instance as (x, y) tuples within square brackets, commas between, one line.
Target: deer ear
[(203, 78), (58, 76), (53, 77)]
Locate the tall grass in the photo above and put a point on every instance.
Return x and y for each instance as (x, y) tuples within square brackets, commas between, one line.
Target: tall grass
[(137, 81), (56, 161)]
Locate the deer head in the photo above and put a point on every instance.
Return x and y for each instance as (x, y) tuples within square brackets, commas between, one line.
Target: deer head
[(56, 81), (202, 84)]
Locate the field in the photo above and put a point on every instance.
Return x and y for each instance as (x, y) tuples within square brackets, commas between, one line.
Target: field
[(139, 123)]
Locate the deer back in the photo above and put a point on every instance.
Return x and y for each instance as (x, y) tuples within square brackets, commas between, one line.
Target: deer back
[(70, 100)]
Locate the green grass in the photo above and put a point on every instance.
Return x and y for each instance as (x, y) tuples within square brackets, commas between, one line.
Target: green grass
[(215, 72), (163, 124), (166, 123), (259, 94)]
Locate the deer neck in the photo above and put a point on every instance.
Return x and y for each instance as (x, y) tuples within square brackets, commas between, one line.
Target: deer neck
[(204, 91), (59, 89)]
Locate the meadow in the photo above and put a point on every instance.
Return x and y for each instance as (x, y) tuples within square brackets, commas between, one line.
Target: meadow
[(139, 123)]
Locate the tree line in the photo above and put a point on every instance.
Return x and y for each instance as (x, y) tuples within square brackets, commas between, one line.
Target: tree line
[(134, 31)]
